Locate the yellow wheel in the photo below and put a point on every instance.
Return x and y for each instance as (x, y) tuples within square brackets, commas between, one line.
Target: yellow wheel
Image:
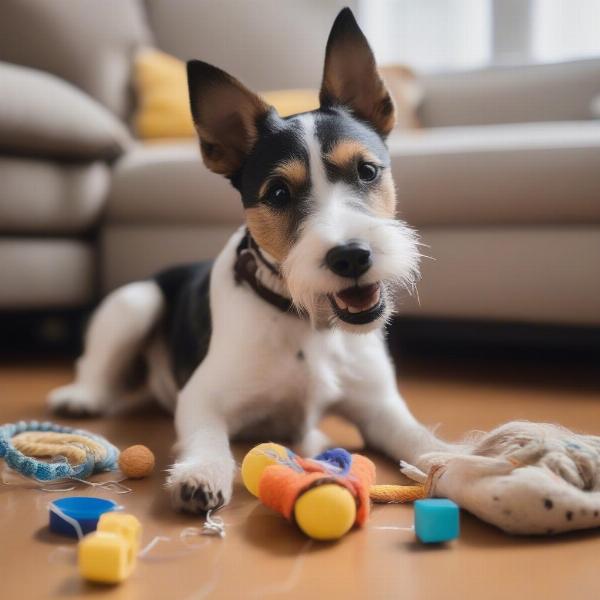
[(257, 460), (326, 512)]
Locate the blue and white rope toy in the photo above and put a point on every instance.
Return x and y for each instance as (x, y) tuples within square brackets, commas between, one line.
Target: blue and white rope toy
[(58, 469)]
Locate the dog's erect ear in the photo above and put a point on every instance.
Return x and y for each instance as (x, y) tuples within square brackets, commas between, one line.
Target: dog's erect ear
[(350, 75), (225, 115)]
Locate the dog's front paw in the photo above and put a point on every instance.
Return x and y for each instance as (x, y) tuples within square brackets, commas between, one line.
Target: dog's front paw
[(78, 400), (199, 487)]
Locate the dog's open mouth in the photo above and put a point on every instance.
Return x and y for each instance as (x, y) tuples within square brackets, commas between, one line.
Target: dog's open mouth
[(358, 304)]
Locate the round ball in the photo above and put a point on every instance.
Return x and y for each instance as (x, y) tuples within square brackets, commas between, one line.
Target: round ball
[(325, 512), (136, 462), (257, 460)]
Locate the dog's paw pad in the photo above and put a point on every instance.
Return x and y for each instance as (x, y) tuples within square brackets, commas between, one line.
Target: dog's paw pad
[(198, 489), (195, 496)]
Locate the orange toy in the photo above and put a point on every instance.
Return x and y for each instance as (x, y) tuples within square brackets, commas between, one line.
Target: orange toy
[(325, 496)]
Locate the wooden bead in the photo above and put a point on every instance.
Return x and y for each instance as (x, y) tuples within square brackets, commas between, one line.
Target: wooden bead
[(136, 462)]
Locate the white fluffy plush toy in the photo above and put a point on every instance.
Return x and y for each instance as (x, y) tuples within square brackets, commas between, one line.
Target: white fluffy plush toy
[(526, 478)]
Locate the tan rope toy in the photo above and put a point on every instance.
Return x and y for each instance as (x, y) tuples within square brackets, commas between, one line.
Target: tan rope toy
[(48, 444)]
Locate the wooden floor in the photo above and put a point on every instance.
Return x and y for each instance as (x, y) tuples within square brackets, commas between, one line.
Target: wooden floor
[(262, 556)]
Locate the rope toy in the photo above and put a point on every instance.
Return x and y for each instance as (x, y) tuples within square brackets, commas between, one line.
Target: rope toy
[(72, 453), (325, 496)]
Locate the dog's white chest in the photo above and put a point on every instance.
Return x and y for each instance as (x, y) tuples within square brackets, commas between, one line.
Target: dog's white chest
[(293, 375)]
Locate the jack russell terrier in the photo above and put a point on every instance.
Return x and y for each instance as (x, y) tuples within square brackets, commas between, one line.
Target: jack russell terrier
[(287, 323)]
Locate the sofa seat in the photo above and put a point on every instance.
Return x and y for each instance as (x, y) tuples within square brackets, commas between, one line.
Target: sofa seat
[(519, 174), (43, 197)]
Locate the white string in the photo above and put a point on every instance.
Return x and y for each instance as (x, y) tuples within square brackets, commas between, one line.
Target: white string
[(114, 485), (213, 527), (159, 538), (191, 532), (70, 520), (393, 528)]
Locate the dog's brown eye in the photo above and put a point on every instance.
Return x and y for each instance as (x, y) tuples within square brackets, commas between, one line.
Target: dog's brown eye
[(367, 171), (278, 194)]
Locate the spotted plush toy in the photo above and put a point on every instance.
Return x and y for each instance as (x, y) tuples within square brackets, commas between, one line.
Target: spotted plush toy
[(526, 478)]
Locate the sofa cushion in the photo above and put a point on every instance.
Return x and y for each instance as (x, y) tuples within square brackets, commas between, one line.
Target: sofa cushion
[(90, 44), (167, 183), (42, 115), (38, 196), (43, 273), (505, 174)]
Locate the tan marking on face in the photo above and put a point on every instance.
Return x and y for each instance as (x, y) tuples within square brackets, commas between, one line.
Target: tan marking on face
[(383, 198), (270, 230), (293, 171), (346, 152)]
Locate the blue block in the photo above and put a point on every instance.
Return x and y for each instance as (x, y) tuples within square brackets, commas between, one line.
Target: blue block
[(436, 520)]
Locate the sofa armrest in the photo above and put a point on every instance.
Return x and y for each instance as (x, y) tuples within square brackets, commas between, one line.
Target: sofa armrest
[(42, 115)]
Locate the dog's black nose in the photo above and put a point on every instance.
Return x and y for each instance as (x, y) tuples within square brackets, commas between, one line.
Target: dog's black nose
[(349, 260)]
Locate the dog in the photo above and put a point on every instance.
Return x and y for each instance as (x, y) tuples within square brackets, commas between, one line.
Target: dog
[(287, 323)]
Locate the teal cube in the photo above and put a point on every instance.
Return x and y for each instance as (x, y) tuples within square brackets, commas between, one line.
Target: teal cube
[(436, 520)]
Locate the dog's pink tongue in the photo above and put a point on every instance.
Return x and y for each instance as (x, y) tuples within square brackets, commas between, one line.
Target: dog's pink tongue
[(360, 298)]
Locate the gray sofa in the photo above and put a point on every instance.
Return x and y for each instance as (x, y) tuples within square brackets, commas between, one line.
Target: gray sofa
[(503, 181)]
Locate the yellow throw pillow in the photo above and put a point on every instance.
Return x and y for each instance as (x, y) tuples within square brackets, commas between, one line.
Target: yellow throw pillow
[(291, 102), (163, 109)]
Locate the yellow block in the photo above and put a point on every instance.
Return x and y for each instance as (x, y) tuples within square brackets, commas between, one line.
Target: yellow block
[(108, 555), (105, 557), (326, 512), (122, 524)]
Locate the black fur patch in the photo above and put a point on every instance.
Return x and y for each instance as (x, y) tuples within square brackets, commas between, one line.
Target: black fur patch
[(187, 321), (278, 140)]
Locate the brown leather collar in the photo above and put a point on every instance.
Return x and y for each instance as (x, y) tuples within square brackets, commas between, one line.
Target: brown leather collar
[(246, 265)]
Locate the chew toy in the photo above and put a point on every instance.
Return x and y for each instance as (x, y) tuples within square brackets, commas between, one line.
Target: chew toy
[(136, 462), (325, 496), (70, 453)]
